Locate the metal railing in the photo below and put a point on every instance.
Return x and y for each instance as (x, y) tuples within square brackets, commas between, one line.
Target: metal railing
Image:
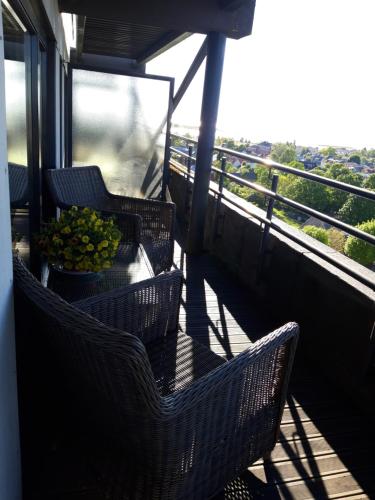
[(272, 195)]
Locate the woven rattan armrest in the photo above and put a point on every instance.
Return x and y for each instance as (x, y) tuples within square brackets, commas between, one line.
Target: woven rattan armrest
[(229, 377), (148, 309)]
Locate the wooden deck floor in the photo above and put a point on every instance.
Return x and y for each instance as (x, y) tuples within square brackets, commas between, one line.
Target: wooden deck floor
[(325, 448)]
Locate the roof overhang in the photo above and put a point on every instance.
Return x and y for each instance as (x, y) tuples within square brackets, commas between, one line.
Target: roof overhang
[(143, 29)]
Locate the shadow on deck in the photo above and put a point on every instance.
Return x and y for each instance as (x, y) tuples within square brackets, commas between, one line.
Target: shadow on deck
[(325, 447)]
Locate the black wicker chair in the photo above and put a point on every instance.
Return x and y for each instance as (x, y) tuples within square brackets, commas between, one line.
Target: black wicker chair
[(185, 420), (18, 185), (85, 187)]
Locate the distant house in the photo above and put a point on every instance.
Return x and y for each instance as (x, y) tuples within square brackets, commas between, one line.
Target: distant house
[(262, 149), (313, 221)]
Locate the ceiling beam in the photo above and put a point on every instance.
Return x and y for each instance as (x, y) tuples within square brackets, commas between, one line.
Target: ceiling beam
[(233, 18)]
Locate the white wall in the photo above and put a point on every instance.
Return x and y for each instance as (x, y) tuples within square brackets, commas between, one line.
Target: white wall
[(10, 469)]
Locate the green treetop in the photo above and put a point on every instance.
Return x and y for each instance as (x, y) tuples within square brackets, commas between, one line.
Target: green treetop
[(359, 250), (283, 152)]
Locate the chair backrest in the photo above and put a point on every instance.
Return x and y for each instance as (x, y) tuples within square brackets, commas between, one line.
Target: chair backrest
[(81, 186), (18, 185), (106, 369)]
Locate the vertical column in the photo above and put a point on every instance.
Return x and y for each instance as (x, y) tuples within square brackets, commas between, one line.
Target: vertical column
[(33, 144), (10, 468), (167, 152), (210, 104), (50, 130)]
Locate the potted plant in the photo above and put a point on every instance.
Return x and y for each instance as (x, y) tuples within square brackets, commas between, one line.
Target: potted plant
[(79, 245)]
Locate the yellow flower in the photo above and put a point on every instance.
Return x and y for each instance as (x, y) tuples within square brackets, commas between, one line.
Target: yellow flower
[(74, 209), (68, 265), (66, 230), (104, 243), (80, 222), (99, 247), (93, 217), (85, 239), (106, 264), (86, 210), (105, 254), (90, 247)]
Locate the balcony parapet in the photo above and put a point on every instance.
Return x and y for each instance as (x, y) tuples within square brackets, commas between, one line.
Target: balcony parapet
[(336, 312)]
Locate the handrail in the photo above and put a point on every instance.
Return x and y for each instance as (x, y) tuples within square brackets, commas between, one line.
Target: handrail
[(358, 233), (365, 193), (273, 195), (363, 278)]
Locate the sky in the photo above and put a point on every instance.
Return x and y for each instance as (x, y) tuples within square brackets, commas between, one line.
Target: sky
[(306, 74)]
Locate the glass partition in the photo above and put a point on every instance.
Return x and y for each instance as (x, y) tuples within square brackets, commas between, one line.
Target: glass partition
[(15, 89), (118, 124)]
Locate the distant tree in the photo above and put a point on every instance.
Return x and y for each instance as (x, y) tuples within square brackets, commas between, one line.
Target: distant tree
[(355, 159), (297, 164), (338, 197), (359, 250), (336, 239), (329, 152), (307, 192), (318, 233), (263, 178), (245, 169), (283, 152), (357, 209), (227, 142)]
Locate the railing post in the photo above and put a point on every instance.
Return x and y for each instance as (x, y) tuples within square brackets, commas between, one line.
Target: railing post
[(188, 184), (266, 230), (223, 166), (210, 104)]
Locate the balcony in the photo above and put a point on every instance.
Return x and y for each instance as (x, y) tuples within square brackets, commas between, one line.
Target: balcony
[(326, 439), (245, 272)]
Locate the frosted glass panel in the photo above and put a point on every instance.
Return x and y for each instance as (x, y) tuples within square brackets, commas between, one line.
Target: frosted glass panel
[(15, 101), (118, 124)]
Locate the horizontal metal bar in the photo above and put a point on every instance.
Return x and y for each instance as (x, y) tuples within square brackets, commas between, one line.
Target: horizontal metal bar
[(181, 153), (186, 139), (302, 208), (310, 247), (365, 193), (353, 231)]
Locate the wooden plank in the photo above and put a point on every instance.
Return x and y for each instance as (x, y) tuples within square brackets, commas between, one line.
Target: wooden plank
[(301, 448), (319, 467)]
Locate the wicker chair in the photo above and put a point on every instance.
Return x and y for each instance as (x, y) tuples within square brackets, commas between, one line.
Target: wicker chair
[(84, 186), (185, 420), (18, 185)]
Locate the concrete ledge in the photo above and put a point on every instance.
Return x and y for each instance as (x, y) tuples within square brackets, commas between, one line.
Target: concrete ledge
[(335, 311)]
